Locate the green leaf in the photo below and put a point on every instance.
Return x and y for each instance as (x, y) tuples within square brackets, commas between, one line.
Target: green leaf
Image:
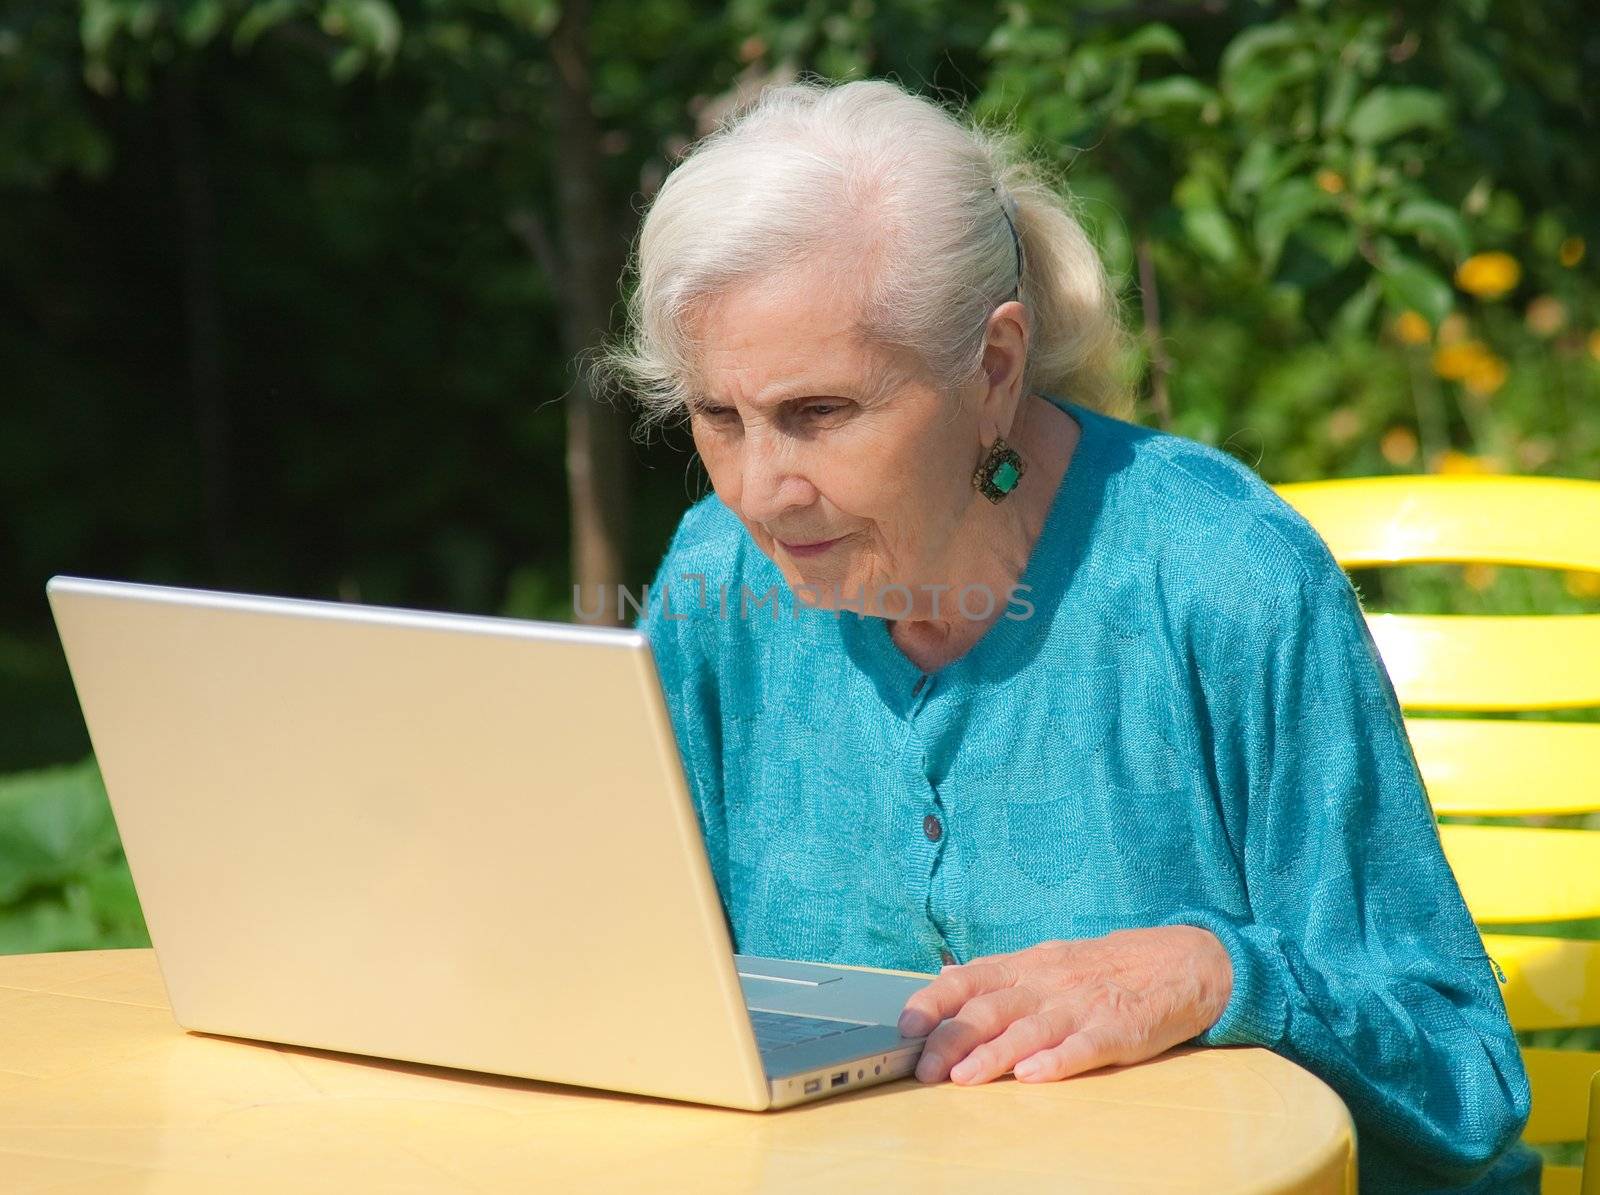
[(1386, 112), (260, 17), (377, 26), (1354, 316), (1173, 93), (1435, 222), (1263, 166), (54, 824), (201, 20), (1257, 167), (1315, 252), (1412, 286), (1257, 41), (1332, 240), (541, 16), (1475, 76), (1281, 210), (142, 17), (1254, 85), (1340, 96), (1210, 231), (115, 904), (369, 24), (1152, 39), (98, 25), (49, 922), (347, 63), (1087, 70), (1204, 223)]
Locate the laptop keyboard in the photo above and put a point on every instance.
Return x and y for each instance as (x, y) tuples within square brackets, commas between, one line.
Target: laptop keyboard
[(775, 1030)]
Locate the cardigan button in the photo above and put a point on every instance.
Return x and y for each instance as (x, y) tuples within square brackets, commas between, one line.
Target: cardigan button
[(932, 828)]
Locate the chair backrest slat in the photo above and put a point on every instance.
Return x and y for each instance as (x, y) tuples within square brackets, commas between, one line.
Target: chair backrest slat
[(1513, 874), (1545, 522), (1551, 983), (1569, 1073), (1493, 662), (1479, 767)]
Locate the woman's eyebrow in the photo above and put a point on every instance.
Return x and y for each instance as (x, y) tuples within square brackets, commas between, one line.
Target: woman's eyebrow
[(880, 379)]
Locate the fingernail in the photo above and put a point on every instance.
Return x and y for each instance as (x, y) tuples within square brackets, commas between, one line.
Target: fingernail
[(1026, 1070), (913, 1024), (963, 1072)]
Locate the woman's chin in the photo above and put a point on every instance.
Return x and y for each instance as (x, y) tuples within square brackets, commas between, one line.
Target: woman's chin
[(819, 586)]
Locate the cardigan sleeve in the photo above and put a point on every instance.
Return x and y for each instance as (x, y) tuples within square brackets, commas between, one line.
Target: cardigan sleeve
[(1357, 957), (674, 621)]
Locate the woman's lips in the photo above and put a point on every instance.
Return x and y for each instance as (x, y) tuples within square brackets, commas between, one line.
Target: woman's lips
[(814, 549)]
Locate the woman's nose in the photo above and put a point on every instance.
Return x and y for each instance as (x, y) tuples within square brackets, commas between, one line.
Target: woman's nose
[(771, 484)]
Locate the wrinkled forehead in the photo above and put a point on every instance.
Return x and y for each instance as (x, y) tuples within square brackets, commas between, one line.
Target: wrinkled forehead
[(789, 336)]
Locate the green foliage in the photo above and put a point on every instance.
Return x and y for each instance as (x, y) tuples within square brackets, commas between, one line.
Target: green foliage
[(124, 41), (45, 130), (1301, 179), (64, 882)]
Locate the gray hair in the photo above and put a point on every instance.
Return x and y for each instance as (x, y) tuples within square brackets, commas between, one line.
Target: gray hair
[(893, 198)]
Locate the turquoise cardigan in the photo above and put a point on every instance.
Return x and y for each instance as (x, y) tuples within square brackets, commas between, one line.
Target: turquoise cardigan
[(1182, 719)]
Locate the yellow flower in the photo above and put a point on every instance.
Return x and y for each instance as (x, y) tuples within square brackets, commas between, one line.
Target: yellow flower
[(1412, 328), (1571, 251), (1584, 585), (1455, 361), (1471, 364), (1479, 576), (1594, 345), (1546, 316), (1330, 181), (1399, 446), (1488, 275), (1486, 376), (1464, 464)]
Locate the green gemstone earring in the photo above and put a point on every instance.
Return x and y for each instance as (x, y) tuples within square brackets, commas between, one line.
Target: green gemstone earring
[(1000, 471)]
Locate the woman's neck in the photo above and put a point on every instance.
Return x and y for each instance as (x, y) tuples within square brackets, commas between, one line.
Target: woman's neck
[(1001, 538)]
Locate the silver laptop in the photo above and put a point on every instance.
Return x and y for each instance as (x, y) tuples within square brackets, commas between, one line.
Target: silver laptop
[(453, 840)]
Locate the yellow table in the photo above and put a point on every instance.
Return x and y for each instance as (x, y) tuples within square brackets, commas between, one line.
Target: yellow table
[(101, 1091)]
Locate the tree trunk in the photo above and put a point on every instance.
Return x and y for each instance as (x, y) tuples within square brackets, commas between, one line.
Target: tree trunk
[(592, 255)]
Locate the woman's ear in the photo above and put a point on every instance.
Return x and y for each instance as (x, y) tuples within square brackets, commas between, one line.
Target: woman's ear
[(1005, 358)]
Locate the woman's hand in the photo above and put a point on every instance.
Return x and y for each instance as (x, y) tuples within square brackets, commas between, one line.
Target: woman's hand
[(1061, 1008)]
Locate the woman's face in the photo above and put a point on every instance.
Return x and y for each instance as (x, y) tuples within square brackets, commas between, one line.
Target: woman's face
[(811, 434)]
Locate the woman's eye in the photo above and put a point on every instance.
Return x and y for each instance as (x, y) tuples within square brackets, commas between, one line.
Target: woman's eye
[(813, 413)]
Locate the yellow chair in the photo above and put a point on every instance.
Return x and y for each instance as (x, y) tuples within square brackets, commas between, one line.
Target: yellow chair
[(1496, 767), (1591, 1158)]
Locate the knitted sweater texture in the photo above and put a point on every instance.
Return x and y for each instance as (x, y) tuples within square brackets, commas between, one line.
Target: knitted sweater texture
[(1182, 718)]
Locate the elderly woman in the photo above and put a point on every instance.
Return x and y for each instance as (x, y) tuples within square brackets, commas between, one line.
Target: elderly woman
[(967, 669)]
